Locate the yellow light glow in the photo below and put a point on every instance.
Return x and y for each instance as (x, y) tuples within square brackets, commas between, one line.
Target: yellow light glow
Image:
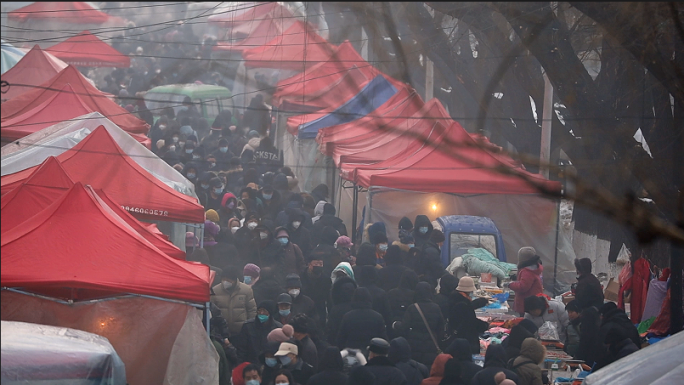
[(102, 324), (434, 207)]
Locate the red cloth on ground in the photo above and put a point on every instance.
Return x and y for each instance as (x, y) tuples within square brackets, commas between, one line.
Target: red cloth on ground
[(638, 282)]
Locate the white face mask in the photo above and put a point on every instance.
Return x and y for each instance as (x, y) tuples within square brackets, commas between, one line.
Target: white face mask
[(294, 292), (263, 235), (227, 285), (172, 148), (234, 229), (296, 224), (251, 225)]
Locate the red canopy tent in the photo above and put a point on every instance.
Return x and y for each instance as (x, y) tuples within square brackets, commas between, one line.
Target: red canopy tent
[(76, 249), (305, 87), (297, 48), (72, 12), (35, 68), (62, 105), (91, 96), (431, 170), (258, 33), (98, 161), (247, 12), (88, 50), (46, 185)]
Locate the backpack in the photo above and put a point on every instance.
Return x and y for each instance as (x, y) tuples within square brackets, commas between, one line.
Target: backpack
[(350, 361)]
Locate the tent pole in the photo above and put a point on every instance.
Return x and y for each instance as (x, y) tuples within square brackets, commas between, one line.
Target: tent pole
[(201, 238), (207, 317), (555, 251), (355, 204)]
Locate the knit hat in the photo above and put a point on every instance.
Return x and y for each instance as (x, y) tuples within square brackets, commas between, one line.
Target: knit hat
[(293, 280), (525, 254), (252, 134), (283, 334), (466, 285), (251, 270), (191, 240), (379, 346), (405, 224), (212, 215), (344, 241), (284, 298)]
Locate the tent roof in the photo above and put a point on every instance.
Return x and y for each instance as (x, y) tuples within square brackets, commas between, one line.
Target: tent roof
[(62, 105), (54, 140), (91, 96), (72, 12), (371, 96), (320, 77), (46, 185), (78, 249), (351, 138), (100, 162), (88, 50), (431, 170), (298, 47), (258, 33), (34, 69), (245, 12)]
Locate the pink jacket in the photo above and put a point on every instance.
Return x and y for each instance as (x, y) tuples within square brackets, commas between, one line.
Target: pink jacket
[(528, 284)]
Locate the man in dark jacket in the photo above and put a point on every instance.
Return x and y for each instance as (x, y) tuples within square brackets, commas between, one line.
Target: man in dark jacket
[(272, 202), (400, 355), (422, 229), (288, 355), (299, 234), (307, 348), (361, 324), (267, 287), (512, 344), (317, 286), (252, 338), (328, 219), (390, 275), (401, 297), (296, 201), (301, 304), (331, 366), (265, 251), (588, 291), (460, 350), (341, 295), (619, 346), (495, 362), (382, 368), (367, 276), (447, 285), (615, 318)]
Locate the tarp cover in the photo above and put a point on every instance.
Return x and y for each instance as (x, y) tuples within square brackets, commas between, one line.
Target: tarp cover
[(40, 353), (150, 336), (372, 96), (259, 33), (660, 364), (34, 69), (72, 12), (297, 48), (10, 56), (91, 96), (88, 50), (78, 249), (56, 139), (61, 106), (237, 13), (100, 162)]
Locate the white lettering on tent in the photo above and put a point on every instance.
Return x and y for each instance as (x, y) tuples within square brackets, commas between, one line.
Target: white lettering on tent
[(146, 211)]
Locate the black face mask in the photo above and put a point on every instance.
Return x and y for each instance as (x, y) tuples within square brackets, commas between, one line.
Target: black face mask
[(317, 270)]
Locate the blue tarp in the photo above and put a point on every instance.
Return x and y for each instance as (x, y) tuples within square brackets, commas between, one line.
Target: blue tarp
[(372, 96)]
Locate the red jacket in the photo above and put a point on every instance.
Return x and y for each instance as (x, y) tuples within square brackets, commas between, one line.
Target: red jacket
[(528, 284), (638, 283)]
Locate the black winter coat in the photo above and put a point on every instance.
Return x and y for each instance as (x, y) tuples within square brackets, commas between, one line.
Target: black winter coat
[(367, 276), (266, 289), (360, 325), (399, 300), (389, 276), (308, 352), (318, 289), (495, 362), (328, 377), (304, 305), (329, 221), (588, 292), (252, 339), (413, 328), (617, 318), (459, 350), (400, 355), (385, 372)]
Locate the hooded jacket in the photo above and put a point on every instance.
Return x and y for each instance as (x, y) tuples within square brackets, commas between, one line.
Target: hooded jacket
[(421, 239), (344, 267), (617, 318), (237, 305), (318, 211), (495, 362), (532, 354), (413, 327), (390, 275), (588, 291), (437, 370), (300, 236), (402, 297), (342, 293), (367, 276), (528, 284), (330, 369), (400, 355), (460, 349), (252, 339), (554, 312), (361, 324), (447, 285), (267, 287), (514, 341)]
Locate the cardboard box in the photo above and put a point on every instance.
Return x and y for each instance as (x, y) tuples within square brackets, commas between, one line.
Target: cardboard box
[(567, 299), (612, 289)]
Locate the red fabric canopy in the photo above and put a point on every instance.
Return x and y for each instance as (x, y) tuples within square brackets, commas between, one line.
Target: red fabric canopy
[(87, 50), (35, 68), (298, 47), (80, 250), (98, 161), (354, 137), (62, 105), (431, 170), (71, 12), (258, 32), (305, 87), (247, 12), (47, 184), (91, 96)]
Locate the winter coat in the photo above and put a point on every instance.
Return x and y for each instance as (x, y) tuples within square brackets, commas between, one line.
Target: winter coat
[(292, 260), (367, 277), (400, 355), (390, 275), (526, 366), (273, 206), (329, 221), (301, 371), (385, 372), (638, 283), (495, 362), (572, 339), (514, 341), (528, 284), (328, 377), (414, 330), (617, 318), (616, 352), (437, 370), (304, 305), (267, 288), (421, 239), (469, 326), (252, 338), (237, 305), (308, 352), (554, 312), (301, 235), (341, 294), (399, 300), (361, 324), (460, 350), (318, 289), (588, 292)]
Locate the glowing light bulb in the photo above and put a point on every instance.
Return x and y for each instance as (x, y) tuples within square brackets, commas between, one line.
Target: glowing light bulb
[(434, 207)]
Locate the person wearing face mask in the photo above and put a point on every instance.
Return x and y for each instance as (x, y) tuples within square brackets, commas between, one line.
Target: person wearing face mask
[(380, 241), (169, 154), (190, 172), (301, 304), (202, 185), (390, 275), (251, 274), (234, 299), (288, 355), (271, 199), (269, 362), (292, 258), (284, 377), (215, 196), (316, 286), (211, 164), (223, 155), (253, 336), (228, 208), (188, 110), (210, 142), (421, 230), (251, 375), (243, 236), (284, 301), (299, 234), (233, 175), (405, 243)]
